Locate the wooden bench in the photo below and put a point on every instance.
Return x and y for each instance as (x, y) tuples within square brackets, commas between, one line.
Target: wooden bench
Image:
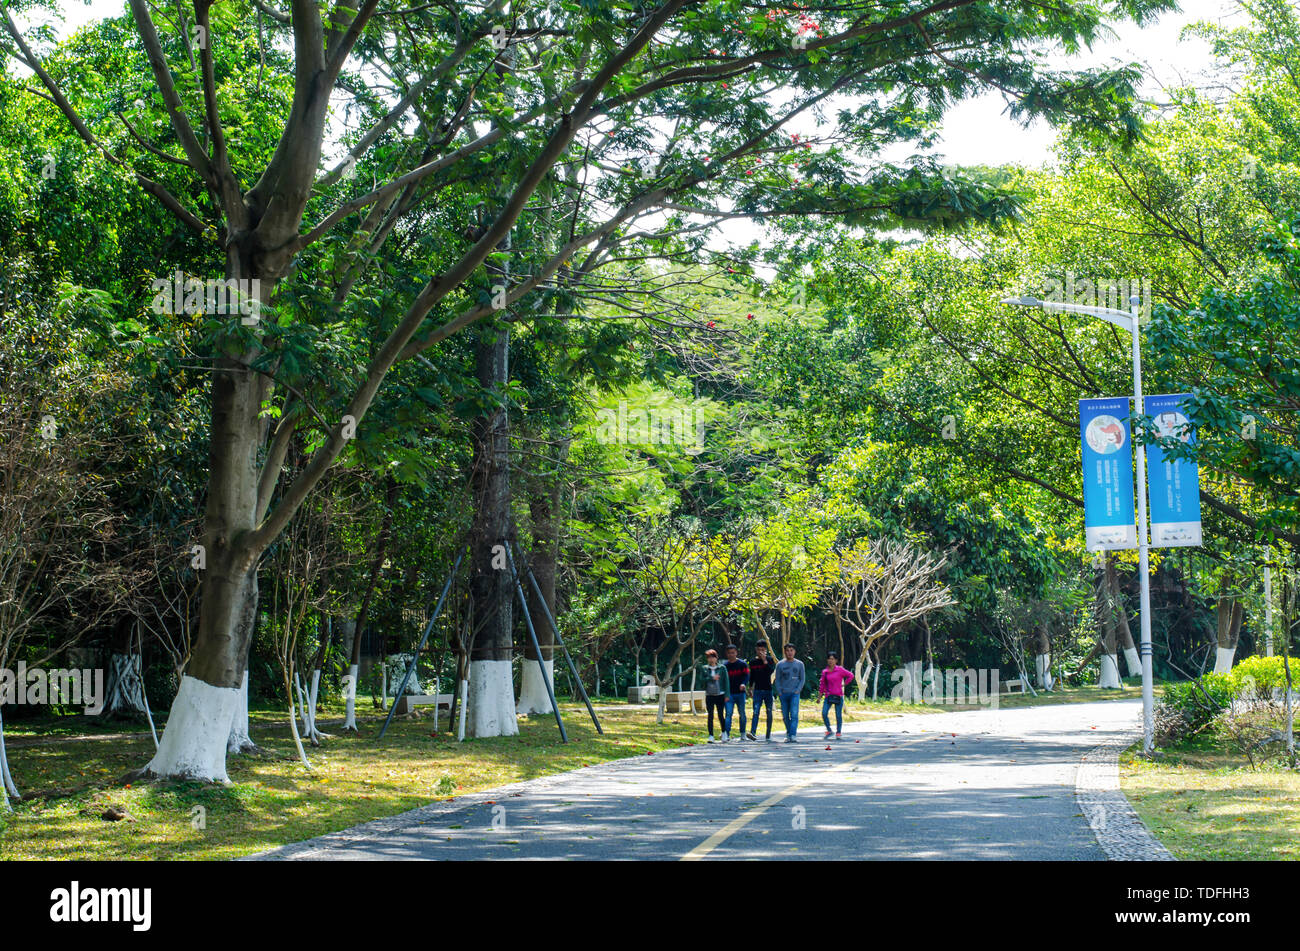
[(407, 704), (683, 701)]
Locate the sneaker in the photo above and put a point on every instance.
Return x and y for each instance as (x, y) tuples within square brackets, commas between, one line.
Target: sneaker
[(726, 737), (711, 739), (837, 736), (827, 736), (789, 739), (750, 735)]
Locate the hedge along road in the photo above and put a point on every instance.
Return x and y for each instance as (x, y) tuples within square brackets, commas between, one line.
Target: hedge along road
[(976, 785)]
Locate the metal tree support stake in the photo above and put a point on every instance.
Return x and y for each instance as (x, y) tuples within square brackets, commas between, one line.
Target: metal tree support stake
[(555, 629), (532, 634), (415, 659)]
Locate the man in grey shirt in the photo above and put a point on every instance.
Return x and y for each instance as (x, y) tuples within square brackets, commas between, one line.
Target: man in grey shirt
[(789, 679)]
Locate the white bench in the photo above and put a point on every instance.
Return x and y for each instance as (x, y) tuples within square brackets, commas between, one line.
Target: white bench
[(1011, 686), (684, 701), (642, 694), (408, 703)]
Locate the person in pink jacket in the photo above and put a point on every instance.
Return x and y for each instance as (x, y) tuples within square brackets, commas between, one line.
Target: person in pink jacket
[(833, 681)]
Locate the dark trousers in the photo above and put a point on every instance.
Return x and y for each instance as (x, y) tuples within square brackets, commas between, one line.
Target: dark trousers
[(735, 701), (762, 698), (829, 701), (718, 703)]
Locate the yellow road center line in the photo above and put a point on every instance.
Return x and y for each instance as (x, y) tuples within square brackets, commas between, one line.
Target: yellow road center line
[(745, 818)]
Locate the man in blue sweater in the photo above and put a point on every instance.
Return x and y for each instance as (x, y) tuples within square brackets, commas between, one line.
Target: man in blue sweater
[(789, 679)]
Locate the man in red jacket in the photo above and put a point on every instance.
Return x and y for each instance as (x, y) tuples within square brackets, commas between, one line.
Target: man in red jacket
[(833, 681)]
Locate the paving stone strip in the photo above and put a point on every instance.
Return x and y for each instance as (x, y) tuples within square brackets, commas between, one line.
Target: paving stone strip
[(1119, 831)]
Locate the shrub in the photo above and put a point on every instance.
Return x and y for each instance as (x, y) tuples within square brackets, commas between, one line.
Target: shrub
[(1260, 678), (1188, 708), (1252, 728)]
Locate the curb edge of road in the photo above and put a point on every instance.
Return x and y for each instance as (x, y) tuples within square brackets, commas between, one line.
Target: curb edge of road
[(1116, 825)]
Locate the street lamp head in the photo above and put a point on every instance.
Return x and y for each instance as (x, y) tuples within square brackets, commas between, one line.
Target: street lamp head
[(1024, 300)]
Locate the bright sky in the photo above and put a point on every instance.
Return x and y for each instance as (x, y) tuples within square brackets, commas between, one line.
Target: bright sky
[(977, 132)]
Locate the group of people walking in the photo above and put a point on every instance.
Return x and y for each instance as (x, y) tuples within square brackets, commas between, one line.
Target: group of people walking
[(729, 683)]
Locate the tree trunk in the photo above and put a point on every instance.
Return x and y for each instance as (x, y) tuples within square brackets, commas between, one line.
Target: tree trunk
[(1043, 656), (1290, 605), (545, 510), (351, 680), (7, 786), (198, 730), (1124, 635), (240, 741), (1109, 673), (312, 691), (1228, 616), (197, 734), (289, 684), (861, 668), (491, 708), (913, 656)]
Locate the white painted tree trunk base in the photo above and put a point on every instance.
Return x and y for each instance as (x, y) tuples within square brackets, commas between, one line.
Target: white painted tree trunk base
[(1133, 662), (240, 741), (7, 786), (197, 733), (532, 691), (1109, 671), (491, 706), (1223, 657), (350, 697), (460, 711), (307, 698), (1043, 668)]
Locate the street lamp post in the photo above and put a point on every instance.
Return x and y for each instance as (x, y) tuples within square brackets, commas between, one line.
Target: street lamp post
[(1128, 321)]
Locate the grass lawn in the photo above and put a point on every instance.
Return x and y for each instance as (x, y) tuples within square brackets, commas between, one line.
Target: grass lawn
[(1204, 802)]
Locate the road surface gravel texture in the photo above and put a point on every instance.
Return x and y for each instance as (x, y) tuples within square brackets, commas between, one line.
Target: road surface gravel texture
[(987, 784)]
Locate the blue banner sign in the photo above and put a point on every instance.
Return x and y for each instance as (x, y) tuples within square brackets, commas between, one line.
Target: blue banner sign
[(1108, 518), (1175, 484)]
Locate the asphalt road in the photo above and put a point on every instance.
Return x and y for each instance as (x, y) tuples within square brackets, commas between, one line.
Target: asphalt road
[(978, 785)]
